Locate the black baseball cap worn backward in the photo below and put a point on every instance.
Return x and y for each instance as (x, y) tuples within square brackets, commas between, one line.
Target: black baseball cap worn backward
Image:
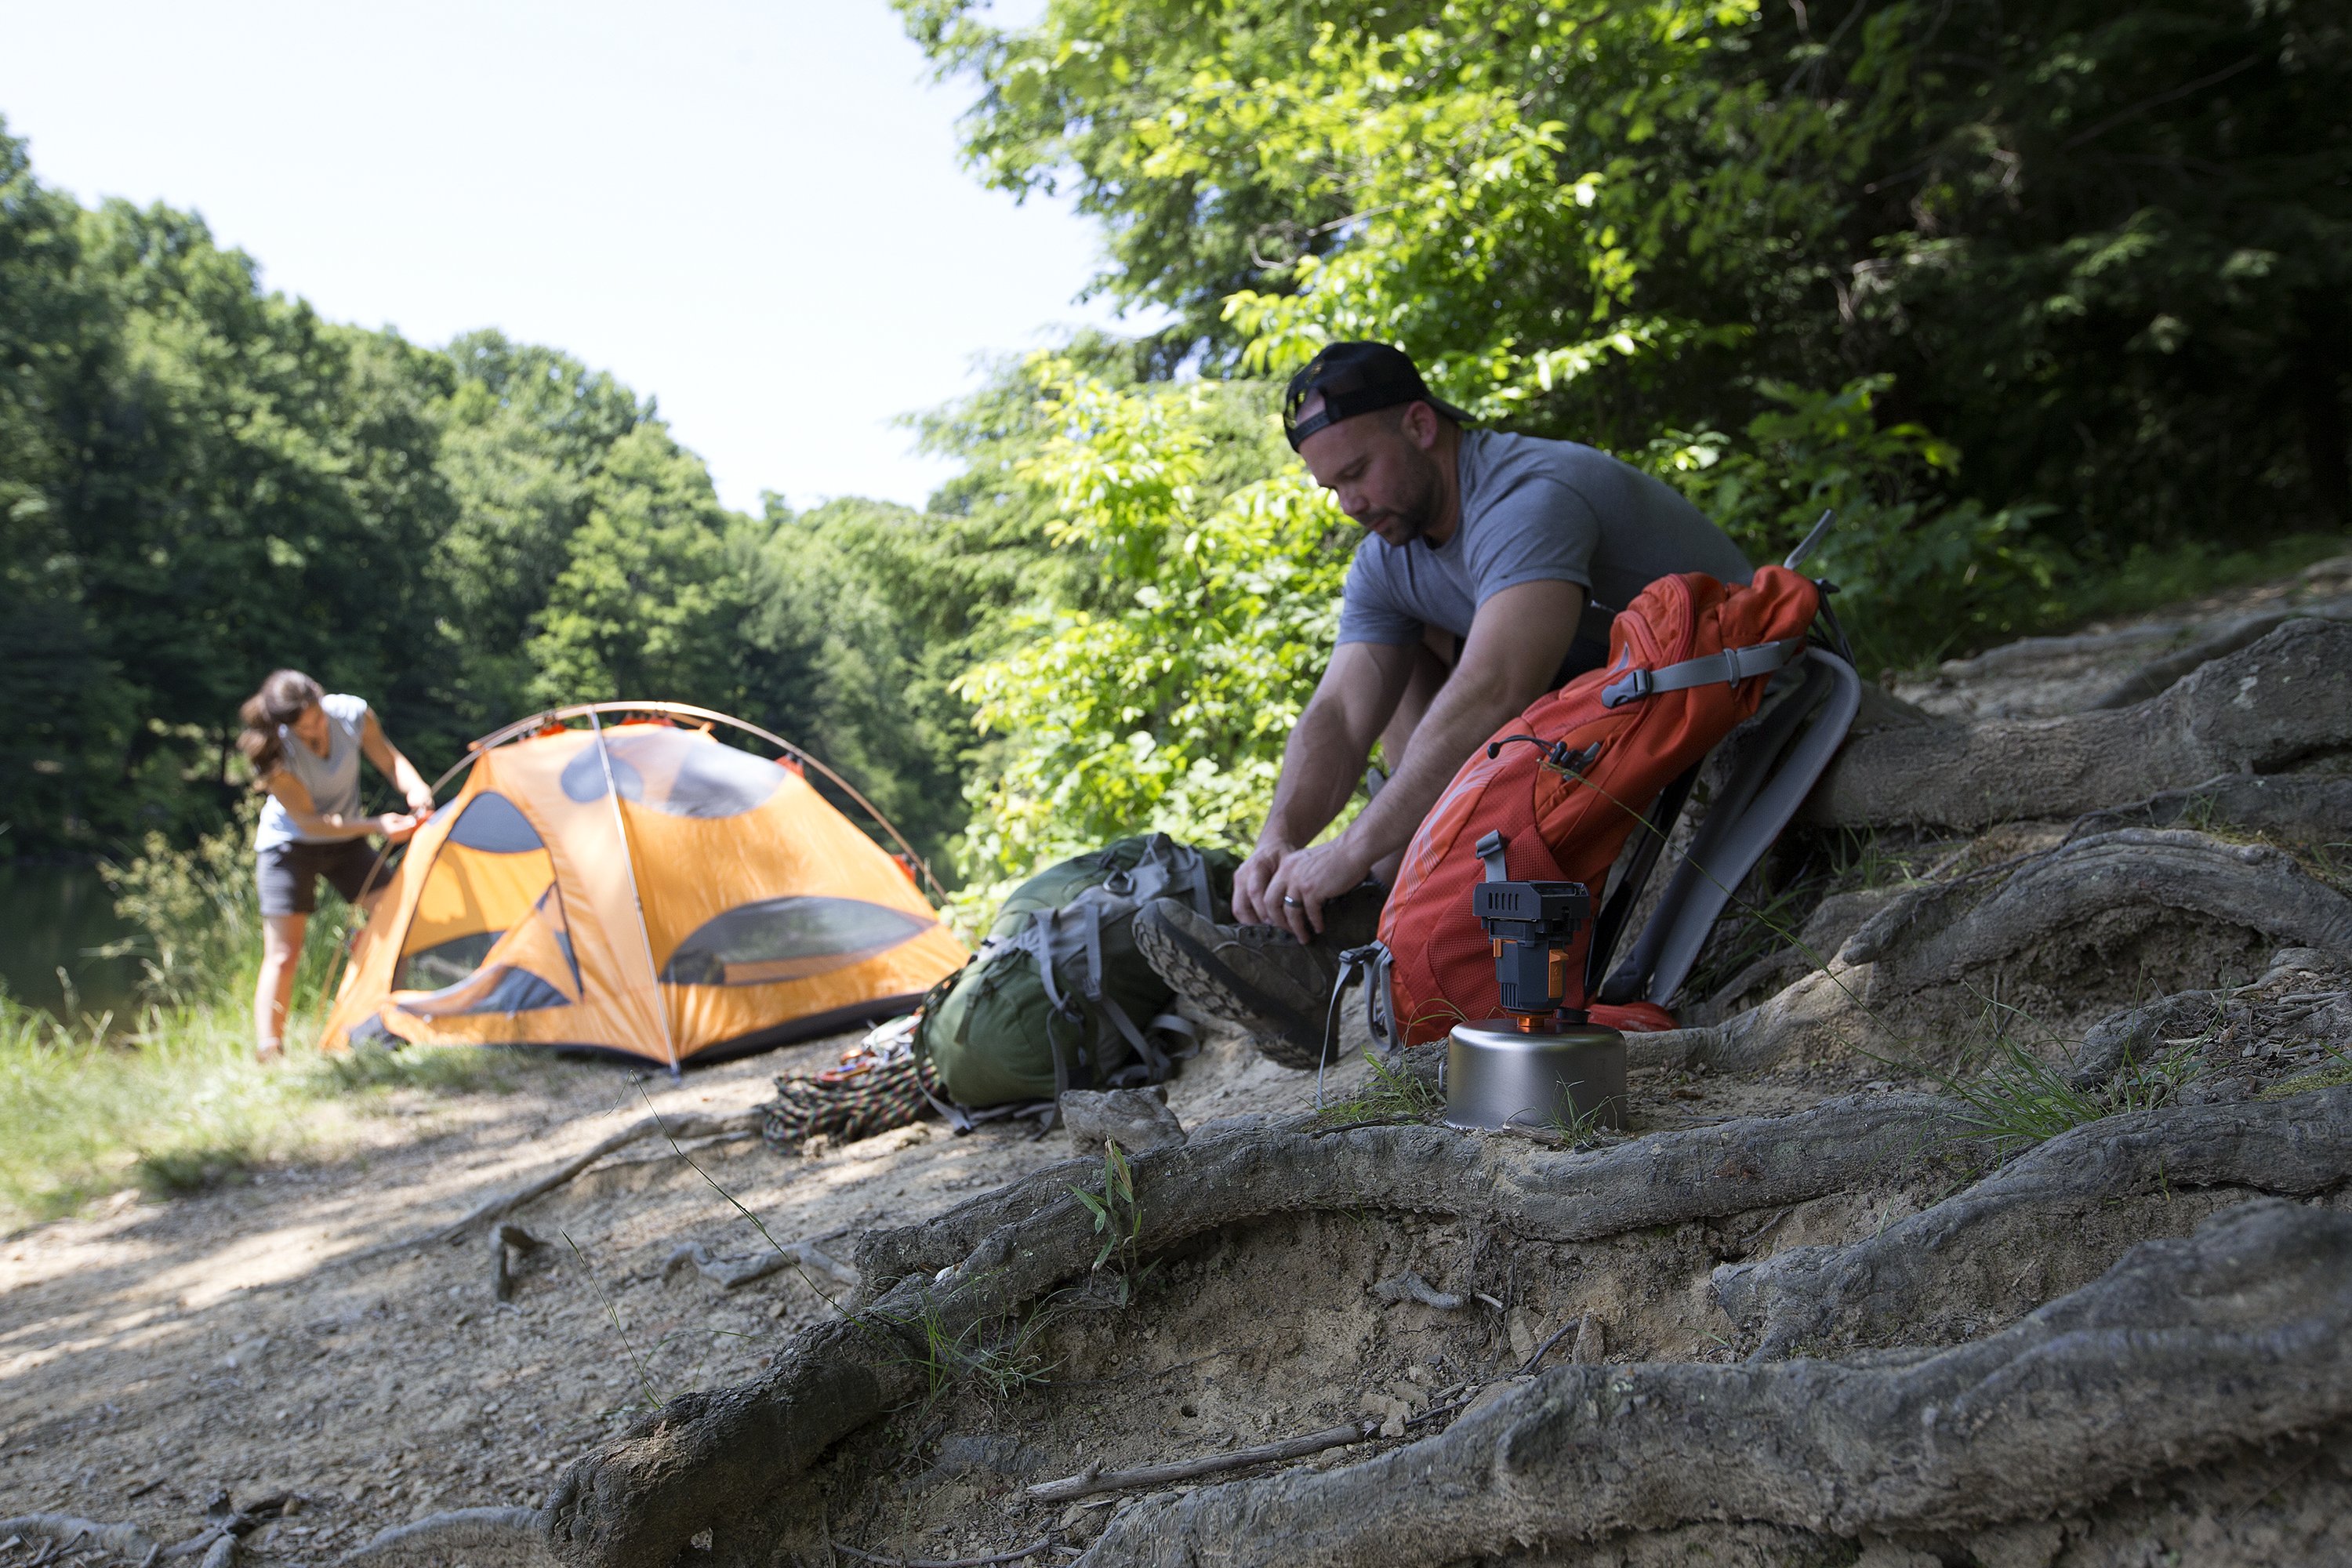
[(1355, 378)]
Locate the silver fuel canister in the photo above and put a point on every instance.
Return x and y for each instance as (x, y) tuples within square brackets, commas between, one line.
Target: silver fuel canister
[(1498, 1075)]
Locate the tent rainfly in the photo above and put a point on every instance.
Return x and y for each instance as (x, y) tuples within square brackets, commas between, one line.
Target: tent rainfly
[(641, 889)]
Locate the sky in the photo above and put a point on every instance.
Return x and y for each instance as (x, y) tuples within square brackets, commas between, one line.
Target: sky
[(755, 213)]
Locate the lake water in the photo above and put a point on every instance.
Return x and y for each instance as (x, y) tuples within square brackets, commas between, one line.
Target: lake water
[(56, 918)]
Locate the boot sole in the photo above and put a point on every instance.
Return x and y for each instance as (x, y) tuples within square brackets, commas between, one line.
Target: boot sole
[(1180, 962)]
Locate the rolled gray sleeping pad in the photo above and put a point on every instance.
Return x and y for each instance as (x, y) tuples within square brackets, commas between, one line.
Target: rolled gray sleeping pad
[(1779, 769)]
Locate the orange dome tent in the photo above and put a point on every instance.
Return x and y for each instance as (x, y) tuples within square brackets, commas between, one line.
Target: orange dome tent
[(637, 888)]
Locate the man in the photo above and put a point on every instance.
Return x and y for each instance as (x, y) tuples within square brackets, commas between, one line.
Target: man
[(1492, 567)]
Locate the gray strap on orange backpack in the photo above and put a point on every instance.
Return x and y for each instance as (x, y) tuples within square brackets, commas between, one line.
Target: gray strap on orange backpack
[(1730, 667)]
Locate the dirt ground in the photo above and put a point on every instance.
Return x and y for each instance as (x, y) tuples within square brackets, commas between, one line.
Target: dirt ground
[(301, 1334), (273, 1337)]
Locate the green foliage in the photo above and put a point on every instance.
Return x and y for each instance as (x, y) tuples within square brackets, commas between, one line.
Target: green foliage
[(1214, 568), (2335, 1074), (997, 1356), (1118, 1221), (1914, 570), (174, 1103), (648, 598), (2101, 251)]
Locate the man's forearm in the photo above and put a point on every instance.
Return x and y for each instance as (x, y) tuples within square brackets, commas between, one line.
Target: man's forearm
[(1456, 722), (1319, 773)]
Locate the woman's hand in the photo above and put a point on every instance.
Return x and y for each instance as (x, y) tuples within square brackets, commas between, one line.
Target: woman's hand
[(394, 825)]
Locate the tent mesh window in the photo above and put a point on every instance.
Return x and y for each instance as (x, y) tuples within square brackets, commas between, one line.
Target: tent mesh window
[(788, 938)]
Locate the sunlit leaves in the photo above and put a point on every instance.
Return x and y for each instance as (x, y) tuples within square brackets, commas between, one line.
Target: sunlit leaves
[(1168, 707)]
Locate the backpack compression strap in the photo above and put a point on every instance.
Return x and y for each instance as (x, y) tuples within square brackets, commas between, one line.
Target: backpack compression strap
[(1731, 667)]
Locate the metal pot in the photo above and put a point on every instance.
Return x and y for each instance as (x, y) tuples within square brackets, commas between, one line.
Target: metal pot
[(1497, 1075)]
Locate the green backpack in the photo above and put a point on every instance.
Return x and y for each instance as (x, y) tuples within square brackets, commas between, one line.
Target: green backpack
[(1059, 997)]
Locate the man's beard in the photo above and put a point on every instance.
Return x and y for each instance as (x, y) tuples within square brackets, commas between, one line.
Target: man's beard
[(1417, 514)]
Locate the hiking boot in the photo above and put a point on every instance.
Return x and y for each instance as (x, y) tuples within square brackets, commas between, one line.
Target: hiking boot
[(1259, 976)]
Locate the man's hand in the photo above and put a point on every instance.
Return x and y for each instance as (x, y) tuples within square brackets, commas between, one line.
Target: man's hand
[(1320, 764), (420, 804), (1307, 881), (394, 826), (1253, 904)]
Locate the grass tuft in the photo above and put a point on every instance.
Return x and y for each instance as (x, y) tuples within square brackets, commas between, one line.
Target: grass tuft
[(180, 1172), (996, 1358), (1390, 1094), (441, 1070), (2020, 1100)]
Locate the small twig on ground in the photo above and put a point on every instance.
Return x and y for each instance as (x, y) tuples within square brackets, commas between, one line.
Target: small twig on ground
[(1043, 1543), (503, 1238), (734, 1273), (62, 1530), (1095, 1479), (1543, 1350), (225, 1522), (1410, 1286), (686, 1126)]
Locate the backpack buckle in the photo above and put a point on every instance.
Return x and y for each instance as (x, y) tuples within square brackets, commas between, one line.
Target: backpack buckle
[(1633, 685)]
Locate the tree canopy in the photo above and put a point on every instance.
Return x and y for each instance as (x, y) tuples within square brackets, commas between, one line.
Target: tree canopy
[(201, 481)]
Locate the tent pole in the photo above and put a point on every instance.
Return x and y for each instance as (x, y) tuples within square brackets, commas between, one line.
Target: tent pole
[(687, 709), (636, 896)]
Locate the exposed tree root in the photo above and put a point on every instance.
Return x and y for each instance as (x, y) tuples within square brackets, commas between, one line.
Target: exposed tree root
[(68, 1532), (2217, 641), (2258, 710), (479, 1537), (2186, 1351), (1917, 1277), (1411, 1286), (1662, 1179), (2065, 910), (2300, 808), (2139, 1033), (1942, 932), (711, 1460)]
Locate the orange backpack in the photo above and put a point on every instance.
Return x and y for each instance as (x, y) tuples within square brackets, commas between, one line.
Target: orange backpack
[(1689, 659)]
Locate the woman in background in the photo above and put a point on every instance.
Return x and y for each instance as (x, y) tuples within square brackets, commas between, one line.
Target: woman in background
[(305, 747)]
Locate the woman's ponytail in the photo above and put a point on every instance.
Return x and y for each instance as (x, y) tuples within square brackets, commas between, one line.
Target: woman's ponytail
[(280, 701)]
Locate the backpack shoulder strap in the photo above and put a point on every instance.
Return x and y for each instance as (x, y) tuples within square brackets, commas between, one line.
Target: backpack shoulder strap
[(1730, 667)]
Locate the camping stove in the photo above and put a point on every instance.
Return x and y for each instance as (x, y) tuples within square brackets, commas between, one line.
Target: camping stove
[(1543, 1063)]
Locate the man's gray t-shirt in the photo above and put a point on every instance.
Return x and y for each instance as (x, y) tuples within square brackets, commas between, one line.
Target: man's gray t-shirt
[(1534, 512)]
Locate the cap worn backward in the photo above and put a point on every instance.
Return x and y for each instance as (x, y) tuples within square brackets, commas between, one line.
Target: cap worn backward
[(1355, 378)]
